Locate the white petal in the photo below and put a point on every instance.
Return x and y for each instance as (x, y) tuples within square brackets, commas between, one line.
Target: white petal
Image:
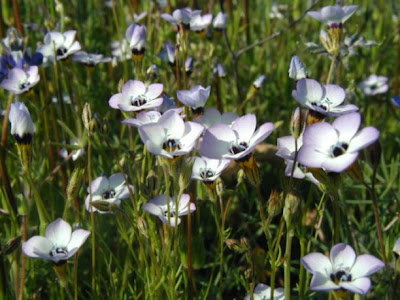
[(59, 233), (35, 245), (366, 265), (364, 138), (342, 256), (317, 263), (358, 286), (78, 237)]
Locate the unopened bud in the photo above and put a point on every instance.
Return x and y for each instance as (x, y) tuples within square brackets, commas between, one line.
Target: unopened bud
[(101, 205), (374, 153), (297, 123), (142, 226), (75, 183), (354, 171), (11, 245), (292, 202), (219, 186), (232, 244), (120, 84), (297, 69), (244, 244), (151, 180), (275, 202), (185, 174), (87, 116)]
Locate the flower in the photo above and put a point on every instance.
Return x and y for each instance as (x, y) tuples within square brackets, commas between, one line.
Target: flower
[(144, 117), (158, 206), (275, 12), (135, 96), (13, 41), (287, 151), (168, 103), (78, 152), (22, 127), (199, 23), (333, 16), (58, 244), (152, 71), (219, 71), (195, 98), (374, 85), (259, 81), (183, 15), (140, 16), (170, 136), (136, 36), (335, 147), (220, 21), (396, 101), (21, 80), (59, 44), (111, 190), (236, 141), (212, 116), (396, 247), (189, 65), (168, 54), (324, 99), (263, 292), (121, 50), (342, 270), (89, 59), (297, 69), (208, 169)]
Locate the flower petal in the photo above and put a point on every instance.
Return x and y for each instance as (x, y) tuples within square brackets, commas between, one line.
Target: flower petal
[(217, 141), (78, 237), (154, 90), (364, 138), (340, 163), (317, 263), (347, 125), (35, 245), (245, 127), (342, 256), (366, 265), (321, 282), (59, 233), (358, 286)]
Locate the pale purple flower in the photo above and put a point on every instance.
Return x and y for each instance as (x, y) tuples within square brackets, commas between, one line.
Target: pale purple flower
[(208, 169), (342, 270), (139, 17), (121, 50), (90, 59), (259, 81), (158, 206), (58, 244), (22, 127), (189, 65), (153, 71), (212, 116), (143, 118), (396, 247), (76, 153), (168, 103), (170, 136), (19, 80), (333, 16), (183, 15), (287, 150), (168, 53), (136, 36), (220, 21), (135, 96), (236, 141), (335, 147), (195, 98), (199, 23), (297, 69), (59, 45), (219, 71), (111, 190), (263, 292), (324, 99), (374, 85)]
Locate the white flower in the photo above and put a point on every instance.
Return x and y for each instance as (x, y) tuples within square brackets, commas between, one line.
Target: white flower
[(297, 69), (263, 292), (220, 21), (199, 23), (90, 59), (195, 98), (75, 153), (259, 81), (343, 270), (374, 85), (144, 117), (396, 247), (168, 53), (121, 50), (58, 244), (139, 17), (111, 190), (183, 15), (333, 16), (21, 80), (208, 169), (59, 44), (219, 71), (212, 116), (136, 35), (136, 96), (22, 127), (158, 206)]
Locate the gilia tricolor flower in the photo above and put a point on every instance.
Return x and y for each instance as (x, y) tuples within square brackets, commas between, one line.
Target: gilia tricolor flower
[(297, 69), (142, 118), (236, 142), (59, 45), (58, 244), (335, 147), (333, 16), (212, 117), (90, 59), (342, 270), (135, 96), (158, 206), (199, 23), (195, 98), (22, 127), (21, 80), (110, 190), (323, 100), (170, 136), (181, 15), (168, 54), (136, 36), (220, 21), (208, 169), (374, 85), (263, 292)]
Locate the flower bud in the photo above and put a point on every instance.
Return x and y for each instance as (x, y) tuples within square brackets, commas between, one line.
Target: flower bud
[(151, 180), (87, 116), (292, 202), (275, 202), (101, 205), (374, 154), (297, 123), (142, 226), (75, 183), (297, 69), (185, 174)]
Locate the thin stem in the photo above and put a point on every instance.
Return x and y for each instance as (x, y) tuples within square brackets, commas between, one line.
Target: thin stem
[(332, 69), (288, 254), (92, 218), (23, 267)]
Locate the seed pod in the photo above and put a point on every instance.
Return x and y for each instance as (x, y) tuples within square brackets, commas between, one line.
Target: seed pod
[(11, 245)]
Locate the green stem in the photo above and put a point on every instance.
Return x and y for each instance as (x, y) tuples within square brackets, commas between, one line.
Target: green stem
[(332, 69), (288, 254), (92, 219)]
